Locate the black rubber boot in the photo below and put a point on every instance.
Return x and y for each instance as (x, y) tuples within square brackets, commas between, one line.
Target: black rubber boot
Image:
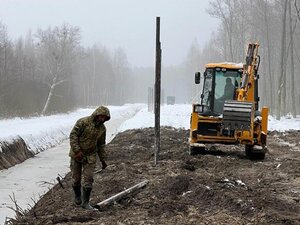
[(86, 192), (77, 191)]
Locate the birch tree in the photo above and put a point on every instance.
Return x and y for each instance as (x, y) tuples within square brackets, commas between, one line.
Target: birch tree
[(58, 46)]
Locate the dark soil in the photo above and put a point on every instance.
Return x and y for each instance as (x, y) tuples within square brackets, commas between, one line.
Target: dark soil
[(222, 187)]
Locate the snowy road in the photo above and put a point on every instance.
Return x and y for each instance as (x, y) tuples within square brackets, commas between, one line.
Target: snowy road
[(32, 178)]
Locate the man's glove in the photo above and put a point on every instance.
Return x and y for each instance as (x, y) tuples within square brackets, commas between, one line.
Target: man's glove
[(78, 156), (104, 165)]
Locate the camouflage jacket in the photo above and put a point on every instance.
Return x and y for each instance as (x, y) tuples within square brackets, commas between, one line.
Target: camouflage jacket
[(88, 136)]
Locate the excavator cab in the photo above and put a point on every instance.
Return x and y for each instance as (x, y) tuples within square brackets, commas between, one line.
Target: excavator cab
[(220, 84), (228, 111)]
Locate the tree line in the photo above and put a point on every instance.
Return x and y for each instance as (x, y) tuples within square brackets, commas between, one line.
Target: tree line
[(274, 24), (49, 71)]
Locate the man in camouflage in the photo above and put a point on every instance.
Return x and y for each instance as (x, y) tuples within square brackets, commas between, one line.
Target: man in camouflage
[(87, 140)]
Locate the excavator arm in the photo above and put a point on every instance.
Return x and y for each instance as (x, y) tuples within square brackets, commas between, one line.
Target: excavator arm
[(241, 116), (250, 75)]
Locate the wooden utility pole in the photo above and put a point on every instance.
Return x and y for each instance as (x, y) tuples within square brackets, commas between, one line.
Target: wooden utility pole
[(157, 91)]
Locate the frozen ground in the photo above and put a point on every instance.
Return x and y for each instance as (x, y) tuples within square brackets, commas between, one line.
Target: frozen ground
[(33, 177)]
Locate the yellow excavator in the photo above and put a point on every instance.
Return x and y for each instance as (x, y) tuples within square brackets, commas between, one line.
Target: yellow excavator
[(228, 112)]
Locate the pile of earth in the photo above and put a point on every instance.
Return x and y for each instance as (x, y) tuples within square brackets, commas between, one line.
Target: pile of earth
[(220, 187)]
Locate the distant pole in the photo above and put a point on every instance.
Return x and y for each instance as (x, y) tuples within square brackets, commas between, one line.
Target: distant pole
[(157, 89)]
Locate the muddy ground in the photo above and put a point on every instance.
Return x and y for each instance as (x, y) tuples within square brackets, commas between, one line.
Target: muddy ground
[(223, 187)]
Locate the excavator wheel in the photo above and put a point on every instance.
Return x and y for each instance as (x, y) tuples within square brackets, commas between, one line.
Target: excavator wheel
[(196, 150), (254, 152)]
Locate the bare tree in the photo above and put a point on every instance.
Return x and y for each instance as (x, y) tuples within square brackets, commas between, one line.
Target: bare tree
[(58, 46), (223, 10), (282, 78), (4, 45), (4, 58), (267, 40), (30, 57), (292, 59), (121, 71)]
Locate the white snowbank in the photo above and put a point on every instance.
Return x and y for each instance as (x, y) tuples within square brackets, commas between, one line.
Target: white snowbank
[(177, 116), (284, 124)]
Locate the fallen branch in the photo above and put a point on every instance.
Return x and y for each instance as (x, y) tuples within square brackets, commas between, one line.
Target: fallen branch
[(42, 183), (122, 194)]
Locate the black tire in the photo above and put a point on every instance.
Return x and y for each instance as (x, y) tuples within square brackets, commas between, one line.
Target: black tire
[(196, 150), (254, 155)]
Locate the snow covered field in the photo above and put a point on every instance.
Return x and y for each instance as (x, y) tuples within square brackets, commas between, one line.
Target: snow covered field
[(31, 178)]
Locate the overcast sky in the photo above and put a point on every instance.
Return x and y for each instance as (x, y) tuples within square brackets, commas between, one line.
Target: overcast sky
[(129, 24)]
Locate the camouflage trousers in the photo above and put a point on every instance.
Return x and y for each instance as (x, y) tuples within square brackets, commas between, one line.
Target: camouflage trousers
[(84, 170)]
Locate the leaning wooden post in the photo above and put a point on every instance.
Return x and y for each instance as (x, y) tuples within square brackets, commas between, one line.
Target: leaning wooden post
[(157, 92), (122, 194)]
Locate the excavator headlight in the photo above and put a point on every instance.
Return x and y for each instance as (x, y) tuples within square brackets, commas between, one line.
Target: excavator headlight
[(198, 108)]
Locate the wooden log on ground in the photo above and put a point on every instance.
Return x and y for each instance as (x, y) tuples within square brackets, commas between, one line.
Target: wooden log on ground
[(122, 194)]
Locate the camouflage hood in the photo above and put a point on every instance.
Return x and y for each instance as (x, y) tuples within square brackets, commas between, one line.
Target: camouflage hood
[(101, 110)]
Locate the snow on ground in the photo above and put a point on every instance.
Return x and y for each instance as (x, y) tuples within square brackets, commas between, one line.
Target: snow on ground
[(177, 116), (284, 124), (33, 177), (41, 133)]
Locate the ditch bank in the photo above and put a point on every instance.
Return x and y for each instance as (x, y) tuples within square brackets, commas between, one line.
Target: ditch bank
[(13, 153)]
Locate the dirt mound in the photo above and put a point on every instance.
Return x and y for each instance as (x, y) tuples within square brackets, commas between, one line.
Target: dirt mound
[(223, 187), (13, 153)]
